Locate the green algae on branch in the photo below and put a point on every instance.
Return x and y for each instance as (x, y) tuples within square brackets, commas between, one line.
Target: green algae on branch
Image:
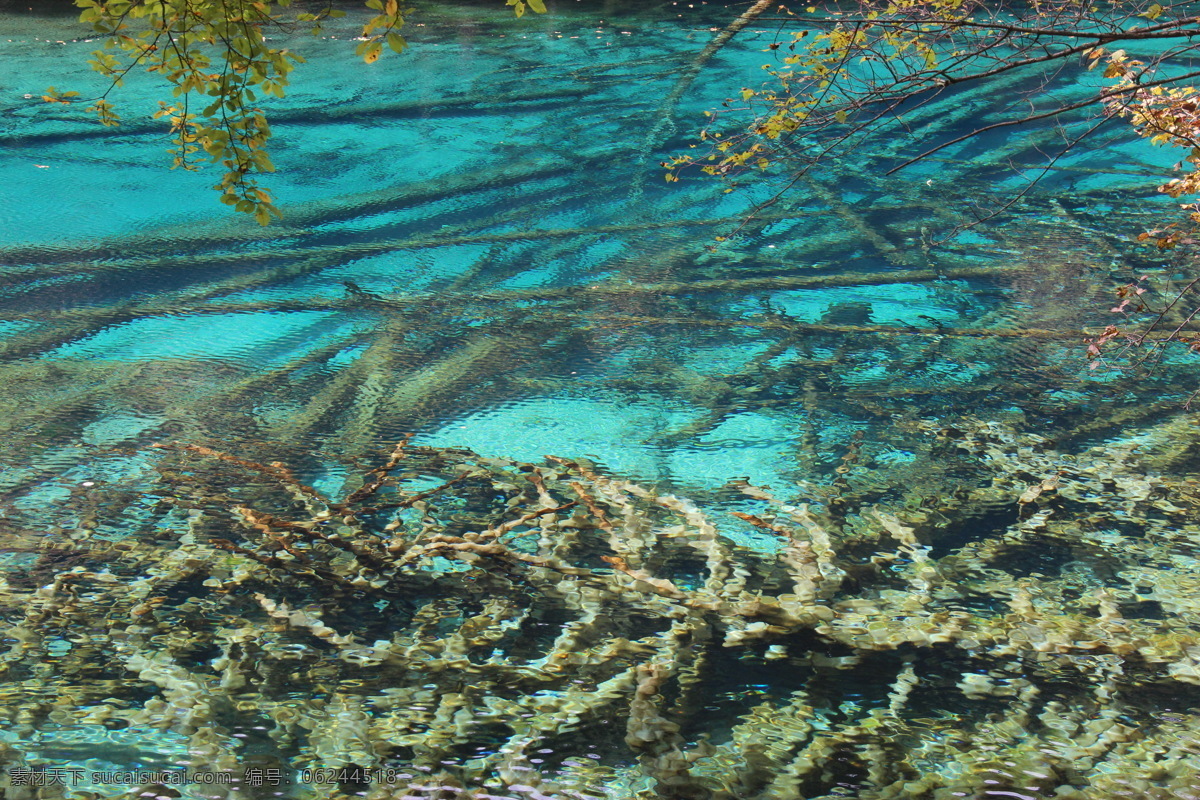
[(479, 624)]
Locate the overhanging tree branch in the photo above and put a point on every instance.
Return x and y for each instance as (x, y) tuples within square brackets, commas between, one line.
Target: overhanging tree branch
[(847, 74), (215, 49), (1104, 97)]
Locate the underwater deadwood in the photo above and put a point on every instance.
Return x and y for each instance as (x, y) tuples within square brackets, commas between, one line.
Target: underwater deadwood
[(473, 620)]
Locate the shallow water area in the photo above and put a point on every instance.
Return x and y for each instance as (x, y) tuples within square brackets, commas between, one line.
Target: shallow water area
[(818, 510)]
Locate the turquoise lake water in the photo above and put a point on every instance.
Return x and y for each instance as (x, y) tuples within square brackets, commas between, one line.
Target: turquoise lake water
[(479, 250)]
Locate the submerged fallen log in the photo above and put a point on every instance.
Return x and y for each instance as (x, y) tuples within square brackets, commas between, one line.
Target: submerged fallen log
[(360, 376), (445, 106), (664, 125), (742, 285), (21, 345), (73, 323), (444, 238), (226, 232), (820, 328), (857, 222)]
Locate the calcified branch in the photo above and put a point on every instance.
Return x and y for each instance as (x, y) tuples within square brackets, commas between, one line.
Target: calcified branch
[(541, 606)]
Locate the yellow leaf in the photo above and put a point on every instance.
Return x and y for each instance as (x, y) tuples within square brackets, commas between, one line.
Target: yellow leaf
[(538, 6)]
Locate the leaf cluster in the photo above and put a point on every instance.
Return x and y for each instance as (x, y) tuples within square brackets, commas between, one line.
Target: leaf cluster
[(1166, 115)]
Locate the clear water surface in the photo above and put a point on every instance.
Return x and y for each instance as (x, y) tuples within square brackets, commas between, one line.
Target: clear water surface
[(479, 250)]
